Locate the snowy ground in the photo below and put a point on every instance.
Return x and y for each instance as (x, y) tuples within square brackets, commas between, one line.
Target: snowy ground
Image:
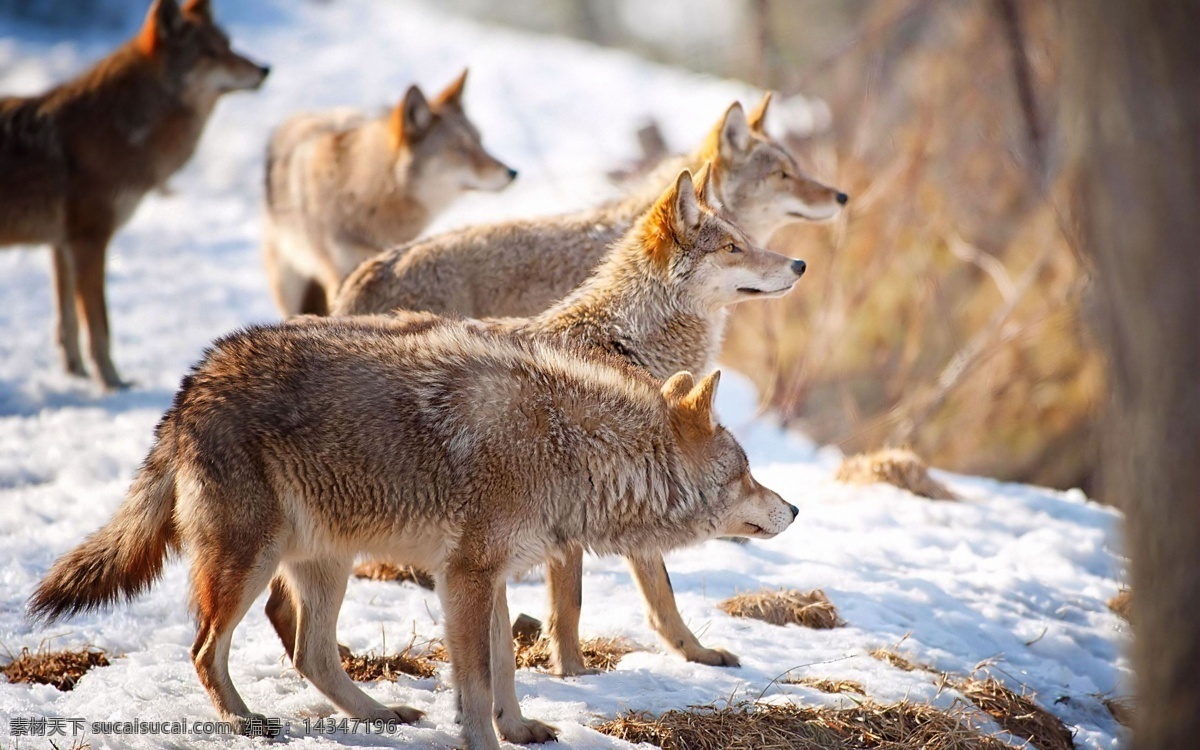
[(1014, 575)]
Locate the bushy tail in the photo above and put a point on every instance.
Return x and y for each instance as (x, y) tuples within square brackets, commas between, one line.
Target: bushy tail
[(125, 556)]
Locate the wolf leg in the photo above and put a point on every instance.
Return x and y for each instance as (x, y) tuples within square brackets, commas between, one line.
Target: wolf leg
[(223, 592), (468, 596), (295, 292), (88, 254), (67, 322), (650, 572), (507, 709), (564, 580), (318, 588)]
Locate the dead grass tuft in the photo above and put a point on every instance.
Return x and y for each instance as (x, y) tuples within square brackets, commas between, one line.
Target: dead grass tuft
[(747, 725), (1122, 709), (898, 661), (370, 667), (385, 571), (894, 466), (826, 686), (1122, 604), (62, 669), (598, 653), (1018, 714), (811, 609)]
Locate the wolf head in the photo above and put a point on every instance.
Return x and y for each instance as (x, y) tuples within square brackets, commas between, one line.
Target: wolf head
[(757, 181), (735, 504), (192, 50), (440, 149), (705, 258)]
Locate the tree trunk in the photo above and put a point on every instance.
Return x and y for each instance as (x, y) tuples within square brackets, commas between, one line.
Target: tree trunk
[(1132, 130)]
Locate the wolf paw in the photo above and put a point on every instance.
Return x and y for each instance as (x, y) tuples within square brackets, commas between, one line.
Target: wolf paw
[(714, 657), (527, 731), (407, 714), (571, 668), (255, 725)]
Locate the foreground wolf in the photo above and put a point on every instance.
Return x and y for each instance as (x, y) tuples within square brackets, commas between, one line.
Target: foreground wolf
[(76, 161), (342, 187), (658, 301), (472, 454), (523, 267)]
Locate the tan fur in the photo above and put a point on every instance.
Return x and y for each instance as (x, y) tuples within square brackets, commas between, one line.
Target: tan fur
[(657, 301), (341, 187), (522, 267), (471, 453), (76, 161)]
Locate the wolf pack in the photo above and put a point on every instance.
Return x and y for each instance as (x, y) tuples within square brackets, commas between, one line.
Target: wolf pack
[(473, 404)]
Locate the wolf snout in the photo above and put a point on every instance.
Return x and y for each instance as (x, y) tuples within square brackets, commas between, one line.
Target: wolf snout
[(842, 199), (264, 71), (798, 267), (795, 511), (512, 174)]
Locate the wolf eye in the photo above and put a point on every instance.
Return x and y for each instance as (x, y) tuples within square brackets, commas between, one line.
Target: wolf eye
[(733, 248), (782, 174)]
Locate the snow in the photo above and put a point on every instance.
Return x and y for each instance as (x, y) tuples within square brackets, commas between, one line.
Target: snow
[(1014, 576)]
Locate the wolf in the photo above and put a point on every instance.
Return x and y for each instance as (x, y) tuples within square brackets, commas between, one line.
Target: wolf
[(341, 187), (659, 302), (521, 267), (471, 453), (76, 161)]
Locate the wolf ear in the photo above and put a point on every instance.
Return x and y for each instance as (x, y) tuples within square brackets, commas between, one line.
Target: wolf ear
[(677, 387), (703, 395), (757, 119), (200, 8), (706, 190), (411, 117), (452, 94), (163, 21), (733, 137), (695, 409), (687, 206)]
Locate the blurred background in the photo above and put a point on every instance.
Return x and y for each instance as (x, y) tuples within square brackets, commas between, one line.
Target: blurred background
[(944, 310)]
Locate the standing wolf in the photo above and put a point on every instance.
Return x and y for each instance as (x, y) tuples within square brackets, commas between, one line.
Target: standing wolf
[(76, 161), (522, 267), (659, 302), (342, 187), (471, 454)]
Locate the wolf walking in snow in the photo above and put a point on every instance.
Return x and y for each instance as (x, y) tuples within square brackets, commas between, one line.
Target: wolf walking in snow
[(474, 454), (76, 161), (521, 267), (341, 187), (658, 301)]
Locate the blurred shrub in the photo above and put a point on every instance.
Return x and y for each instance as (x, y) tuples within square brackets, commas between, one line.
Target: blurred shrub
[(942, 311)]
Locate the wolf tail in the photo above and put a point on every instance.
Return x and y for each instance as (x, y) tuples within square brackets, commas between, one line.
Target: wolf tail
[(126, 555)]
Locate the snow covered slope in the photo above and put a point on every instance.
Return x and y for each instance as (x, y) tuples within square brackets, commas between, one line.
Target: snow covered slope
[(1013, 574)]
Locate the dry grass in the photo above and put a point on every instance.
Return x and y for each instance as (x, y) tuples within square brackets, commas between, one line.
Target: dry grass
[(942, 309), (898, 661), (370, 667), (1017, 714), (895, 466), (785, 607), (598, 653), (385, 571), (62, 669), (1122, 604), (827, 686), (747, 725), (1122, 709)]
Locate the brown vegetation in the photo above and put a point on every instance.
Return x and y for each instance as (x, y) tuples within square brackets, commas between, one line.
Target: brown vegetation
[(1017, 714), (748, 725), (827, 686), (1122, 603), (895, 466), (62, 669), (811, 609), (943, 309), (370, 667), (598, 653), (384, 571)]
